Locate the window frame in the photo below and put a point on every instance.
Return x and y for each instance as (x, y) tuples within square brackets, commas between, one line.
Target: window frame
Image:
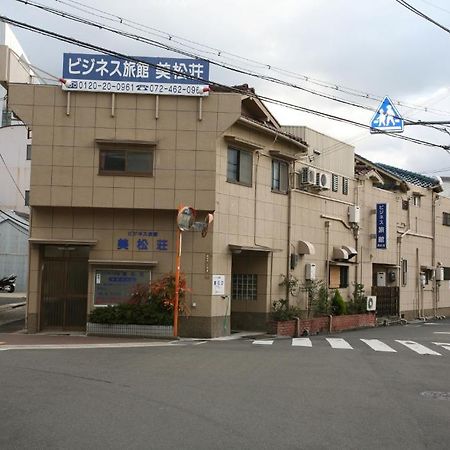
[(247, 282), (237, 179), (446, 219), (343, 276), (27, 197), (280, 164), (334, 182), (126, 148), (29, 149), (345, 185)]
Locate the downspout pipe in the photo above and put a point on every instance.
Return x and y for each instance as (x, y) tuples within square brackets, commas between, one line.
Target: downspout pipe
[(289, 229)]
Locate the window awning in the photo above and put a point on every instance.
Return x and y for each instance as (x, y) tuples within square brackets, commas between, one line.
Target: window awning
[(284, 156), (306, 248), (89, 242), (345, 252), (241, 142), (258, 248)]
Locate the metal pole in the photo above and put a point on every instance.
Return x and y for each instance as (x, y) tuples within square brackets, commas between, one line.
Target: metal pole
[(177, 282)]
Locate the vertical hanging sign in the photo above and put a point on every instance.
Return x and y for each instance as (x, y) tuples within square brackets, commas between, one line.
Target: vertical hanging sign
[(382, 225)]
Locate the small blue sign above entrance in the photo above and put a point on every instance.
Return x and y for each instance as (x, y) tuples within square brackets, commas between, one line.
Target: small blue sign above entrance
[(387, 118)]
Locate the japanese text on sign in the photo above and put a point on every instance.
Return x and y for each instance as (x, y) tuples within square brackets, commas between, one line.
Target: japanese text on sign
[(149, 75), (382, 225)]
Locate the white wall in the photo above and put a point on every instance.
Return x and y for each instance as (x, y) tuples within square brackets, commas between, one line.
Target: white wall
[(13, 148)]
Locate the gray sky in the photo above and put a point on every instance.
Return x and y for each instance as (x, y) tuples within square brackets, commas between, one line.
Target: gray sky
[(375, 47)]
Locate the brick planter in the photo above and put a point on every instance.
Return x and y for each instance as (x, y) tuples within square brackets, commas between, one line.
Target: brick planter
[(322, 324), (282, 328)]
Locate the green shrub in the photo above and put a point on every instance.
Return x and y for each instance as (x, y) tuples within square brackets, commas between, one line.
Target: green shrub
[(338, 306), (322, 305), (357, 304), (282, 311), (148, 305)]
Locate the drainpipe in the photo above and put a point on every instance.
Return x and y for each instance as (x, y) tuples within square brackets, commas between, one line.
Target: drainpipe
[(327, 254), (433, 249), (289, 229)]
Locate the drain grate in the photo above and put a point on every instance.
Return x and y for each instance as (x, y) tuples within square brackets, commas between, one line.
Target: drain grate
[(436, 395)]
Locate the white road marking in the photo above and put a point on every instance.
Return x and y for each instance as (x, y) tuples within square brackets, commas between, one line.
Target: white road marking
[(263, 342), (378, 346), (445, 345), (441, 332), (418, 348), (86, 346), (301, 342), (339, 343)]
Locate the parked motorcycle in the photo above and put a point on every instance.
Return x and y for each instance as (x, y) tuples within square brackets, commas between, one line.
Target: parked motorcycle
[(8, 284)]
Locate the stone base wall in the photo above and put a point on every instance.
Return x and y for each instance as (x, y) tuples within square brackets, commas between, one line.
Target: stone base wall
[(249, 321), (204, 327)]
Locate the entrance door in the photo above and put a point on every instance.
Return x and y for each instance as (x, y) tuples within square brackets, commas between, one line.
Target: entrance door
[(64, 288)]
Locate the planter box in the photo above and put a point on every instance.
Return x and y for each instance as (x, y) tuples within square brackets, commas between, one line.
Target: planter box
[(282, 328), (322, 324), (147, 331)]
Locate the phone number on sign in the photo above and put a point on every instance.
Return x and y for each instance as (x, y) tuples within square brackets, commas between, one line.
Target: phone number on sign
[(133, 87)]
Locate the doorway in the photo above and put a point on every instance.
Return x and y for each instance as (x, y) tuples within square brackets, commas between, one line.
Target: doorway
[(64, 288)]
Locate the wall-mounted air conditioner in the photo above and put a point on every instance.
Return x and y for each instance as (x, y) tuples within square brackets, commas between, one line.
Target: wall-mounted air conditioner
[(307, 176), (323, 180), (371, 303)]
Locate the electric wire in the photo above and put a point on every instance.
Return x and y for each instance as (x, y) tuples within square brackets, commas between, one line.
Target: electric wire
[(241, 91), (12, 177), (220, 64), (88, 9)]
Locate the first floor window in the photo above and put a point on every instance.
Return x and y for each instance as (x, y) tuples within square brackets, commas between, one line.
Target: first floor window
[(114, 286), (239, 166), (243, 286), (126, 161), (338, 277), (279, 176)]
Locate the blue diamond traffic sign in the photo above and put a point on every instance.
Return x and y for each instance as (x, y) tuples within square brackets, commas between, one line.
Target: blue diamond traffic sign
[(387, 118)]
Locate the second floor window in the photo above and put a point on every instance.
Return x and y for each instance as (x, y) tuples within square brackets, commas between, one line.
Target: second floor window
[(126, 161), (239, 166), (279, 176)]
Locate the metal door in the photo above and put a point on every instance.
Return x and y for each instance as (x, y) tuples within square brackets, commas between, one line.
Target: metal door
[(64, 288)]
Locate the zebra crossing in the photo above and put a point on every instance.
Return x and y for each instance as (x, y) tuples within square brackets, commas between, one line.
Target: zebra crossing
[(372, 344)]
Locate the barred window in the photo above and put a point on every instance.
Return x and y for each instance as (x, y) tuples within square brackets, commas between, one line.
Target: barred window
[(243, 286), (334, 182), (345, 186)]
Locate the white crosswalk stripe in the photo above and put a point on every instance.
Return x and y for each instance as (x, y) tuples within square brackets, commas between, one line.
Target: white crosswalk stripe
[(418, 348), (445, 345), (301, 342), (339, 343), (378, 346), (263, 342)]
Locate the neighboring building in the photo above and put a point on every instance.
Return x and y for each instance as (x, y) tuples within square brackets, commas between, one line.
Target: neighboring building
[(14, 232), (15, 168), (110, 171)]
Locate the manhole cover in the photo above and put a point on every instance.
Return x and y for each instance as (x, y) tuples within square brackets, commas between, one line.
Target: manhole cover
[(436, 395)]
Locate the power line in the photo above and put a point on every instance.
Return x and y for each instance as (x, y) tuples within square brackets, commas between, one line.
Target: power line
[(11, 176), (421, 14), (192, 55), (195, 46), (241, 91)]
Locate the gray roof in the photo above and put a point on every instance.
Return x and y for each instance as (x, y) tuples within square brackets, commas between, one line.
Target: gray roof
[(409, 177), (12, 217)]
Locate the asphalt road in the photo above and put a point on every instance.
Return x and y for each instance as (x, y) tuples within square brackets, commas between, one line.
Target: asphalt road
[(232, 395)]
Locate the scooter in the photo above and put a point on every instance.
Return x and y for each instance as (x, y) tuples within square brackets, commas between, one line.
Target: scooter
[(8, 284)]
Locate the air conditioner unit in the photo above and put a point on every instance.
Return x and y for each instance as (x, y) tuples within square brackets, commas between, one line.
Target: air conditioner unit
[(371, 303), (307, 177), (324, 180)]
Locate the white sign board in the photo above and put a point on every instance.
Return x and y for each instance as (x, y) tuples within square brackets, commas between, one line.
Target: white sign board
[(218, 285)]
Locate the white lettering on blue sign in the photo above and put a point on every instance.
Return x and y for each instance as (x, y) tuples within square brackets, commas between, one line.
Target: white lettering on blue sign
[(149, 75), (382, 225)]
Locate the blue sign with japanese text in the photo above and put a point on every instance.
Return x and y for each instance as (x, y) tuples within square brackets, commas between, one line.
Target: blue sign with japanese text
[(145, 75), (382, 225)]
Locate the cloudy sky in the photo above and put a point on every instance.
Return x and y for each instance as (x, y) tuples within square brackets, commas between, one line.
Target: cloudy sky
[(368, 48)]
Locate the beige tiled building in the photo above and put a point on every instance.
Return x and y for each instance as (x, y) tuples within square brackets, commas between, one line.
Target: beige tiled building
[(109, 172)]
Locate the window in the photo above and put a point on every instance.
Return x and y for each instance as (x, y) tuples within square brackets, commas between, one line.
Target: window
[(338, 277), (416, 200), (114, 286), (446, 273), (27, 198), (334, 182), (29, 133), (345, 186), (404, 272), (243, 286), (131, 160), (405, 205), (279, 176), (446, 219), (239, 166), (28, 152)]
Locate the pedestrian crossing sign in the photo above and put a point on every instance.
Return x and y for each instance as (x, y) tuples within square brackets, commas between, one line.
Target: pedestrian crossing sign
[(387, 118)]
